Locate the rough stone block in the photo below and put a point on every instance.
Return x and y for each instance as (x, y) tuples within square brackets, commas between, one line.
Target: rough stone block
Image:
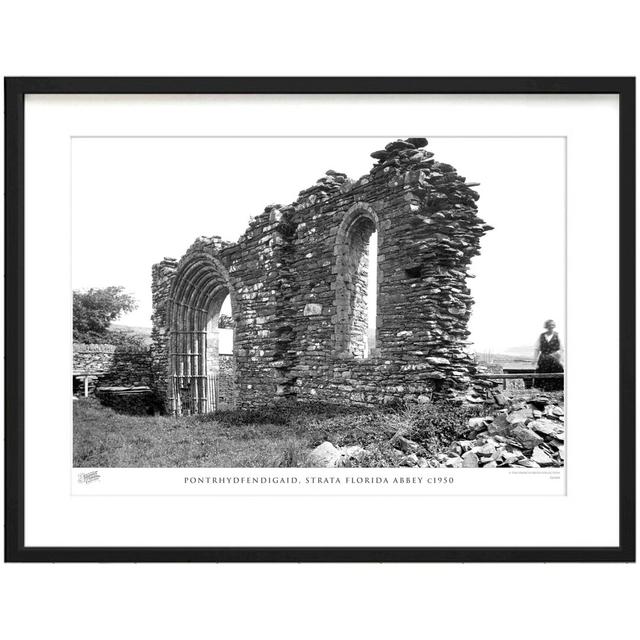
[(312, 309)]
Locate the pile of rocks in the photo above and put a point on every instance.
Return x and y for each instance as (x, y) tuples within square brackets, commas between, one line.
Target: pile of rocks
[(529, 434)]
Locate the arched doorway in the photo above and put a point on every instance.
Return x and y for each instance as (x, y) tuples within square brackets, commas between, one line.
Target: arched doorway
[(196, 374)]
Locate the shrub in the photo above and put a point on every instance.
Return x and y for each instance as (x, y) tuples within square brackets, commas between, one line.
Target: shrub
[(435, 425)]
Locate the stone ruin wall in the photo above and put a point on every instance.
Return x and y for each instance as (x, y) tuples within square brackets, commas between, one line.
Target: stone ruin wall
[(297, 279), (226, 391)]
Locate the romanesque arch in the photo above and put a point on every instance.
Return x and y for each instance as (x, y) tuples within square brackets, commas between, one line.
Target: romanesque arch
[(199, 289), (353, 268)]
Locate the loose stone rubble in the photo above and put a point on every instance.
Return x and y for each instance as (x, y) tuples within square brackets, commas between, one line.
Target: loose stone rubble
[(526, 434), (297, 284)]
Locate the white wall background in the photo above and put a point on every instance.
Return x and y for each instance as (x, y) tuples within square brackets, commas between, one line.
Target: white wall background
[(335, 38)]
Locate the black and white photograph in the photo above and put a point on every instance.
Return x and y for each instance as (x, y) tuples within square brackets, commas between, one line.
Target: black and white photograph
[(319, 302)]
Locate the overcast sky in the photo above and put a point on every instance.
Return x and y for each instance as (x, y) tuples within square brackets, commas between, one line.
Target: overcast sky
[(136, 200)]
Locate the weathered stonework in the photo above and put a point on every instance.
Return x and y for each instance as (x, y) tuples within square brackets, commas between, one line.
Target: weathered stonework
[(112, 366), (163, 275), (297, 282), (226, 382)]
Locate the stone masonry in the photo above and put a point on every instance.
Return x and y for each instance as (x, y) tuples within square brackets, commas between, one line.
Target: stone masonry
[(113, 366), (297, 281)]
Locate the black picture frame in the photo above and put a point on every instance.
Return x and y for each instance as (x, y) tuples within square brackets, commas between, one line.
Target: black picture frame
[(15, 91)]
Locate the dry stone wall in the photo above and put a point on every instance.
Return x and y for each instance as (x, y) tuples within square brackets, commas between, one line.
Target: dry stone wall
[(113, 365), (297, 281)]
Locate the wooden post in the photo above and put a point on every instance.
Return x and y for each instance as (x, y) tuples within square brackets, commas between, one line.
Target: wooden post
[(86, 386)]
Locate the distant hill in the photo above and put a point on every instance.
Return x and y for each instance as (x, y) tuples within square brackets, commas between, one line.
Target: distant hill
[(525, 351), (144, 333), (488, 357)]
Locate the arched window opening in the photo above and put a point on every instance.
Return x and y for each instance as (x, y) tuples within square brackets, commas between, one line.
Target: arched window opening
[(372, 294), (357, 284)]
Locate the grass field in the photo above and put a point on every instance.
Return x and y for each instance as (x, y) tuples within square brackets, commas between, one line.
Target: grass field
[(104, 438), (271, 437)]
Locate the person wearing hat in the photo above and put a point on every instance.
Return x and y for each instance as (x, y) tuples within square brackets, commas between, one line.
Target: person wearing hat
[(547, 358)]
